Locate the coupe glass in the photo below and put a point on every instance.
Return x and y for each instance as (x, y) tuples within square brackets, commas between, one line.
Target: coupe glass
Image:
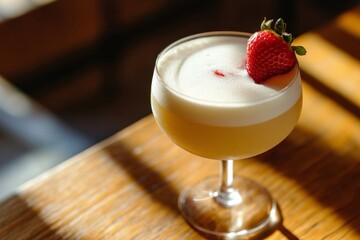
[(224, 206)]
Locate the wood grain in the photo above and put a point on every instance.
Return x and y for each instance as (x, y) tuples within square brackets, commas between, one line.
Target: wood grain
[(127, 186)]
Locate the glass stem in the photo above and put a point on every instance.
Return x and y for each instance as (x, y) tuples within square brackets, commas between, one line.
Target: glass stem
[(226, 195)]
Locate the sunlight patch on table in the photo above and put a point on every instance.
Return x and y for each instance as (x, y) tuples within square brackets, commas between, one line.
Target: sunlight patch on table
[(331, 66), (326, 118)]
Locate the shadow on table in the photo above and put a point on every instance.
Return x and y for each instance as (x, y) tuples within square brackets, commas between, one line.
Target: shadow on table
[(146, 175), (337, 34), (340, 99), (18, 220), (343, 36), (331, 177)]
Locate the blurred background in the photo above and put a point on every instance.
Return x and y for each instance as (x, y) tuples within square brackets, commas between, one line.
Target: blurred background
[(74, 72)]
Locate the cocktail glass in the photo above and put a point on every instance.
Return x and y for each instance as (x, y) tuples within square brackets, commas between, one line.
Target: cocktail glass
[(225, 206)]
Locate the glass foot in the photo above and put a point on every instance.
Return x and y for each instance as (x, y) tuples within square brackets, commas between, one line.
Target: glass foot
[(251, 214)]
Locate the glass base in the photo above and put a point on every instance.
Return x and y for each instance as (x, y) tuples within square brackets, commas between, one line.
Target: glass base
[(254, 215)]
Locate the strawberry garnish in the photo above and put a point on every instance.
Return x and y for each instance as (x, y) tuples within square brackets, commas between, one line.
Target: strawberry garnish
[(269, 51)]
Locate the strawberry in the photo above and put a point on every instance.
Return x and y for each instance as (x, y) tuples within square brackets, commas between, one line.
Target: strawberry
[(269, 51)]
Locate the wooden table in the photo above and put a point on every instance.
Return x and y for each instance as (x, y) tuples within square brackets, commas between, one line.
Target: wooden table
[(127, 186)]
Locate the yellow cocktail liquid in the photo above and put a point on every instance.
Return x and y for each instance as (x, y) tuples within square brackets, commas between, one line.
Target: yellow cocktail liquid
[(223, 142)]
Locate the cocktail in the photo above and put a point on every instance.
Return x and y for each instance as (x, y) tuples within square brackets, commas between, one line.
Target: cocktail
[(203, 98)]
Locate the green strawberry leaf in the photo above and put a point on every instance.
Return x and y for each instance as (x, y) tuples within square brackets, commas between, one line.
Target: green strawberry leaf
[(287, 37), (299, 50), (266, 25), (280, 26)]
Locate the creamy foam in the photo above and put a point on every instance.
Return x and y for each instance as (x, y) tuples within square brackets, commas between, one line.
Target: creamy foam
[(205, 80)]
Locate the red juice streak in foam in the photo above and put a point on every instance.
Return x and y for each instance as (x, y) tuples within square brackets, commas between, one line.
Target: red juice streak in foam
[(218, 73)]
